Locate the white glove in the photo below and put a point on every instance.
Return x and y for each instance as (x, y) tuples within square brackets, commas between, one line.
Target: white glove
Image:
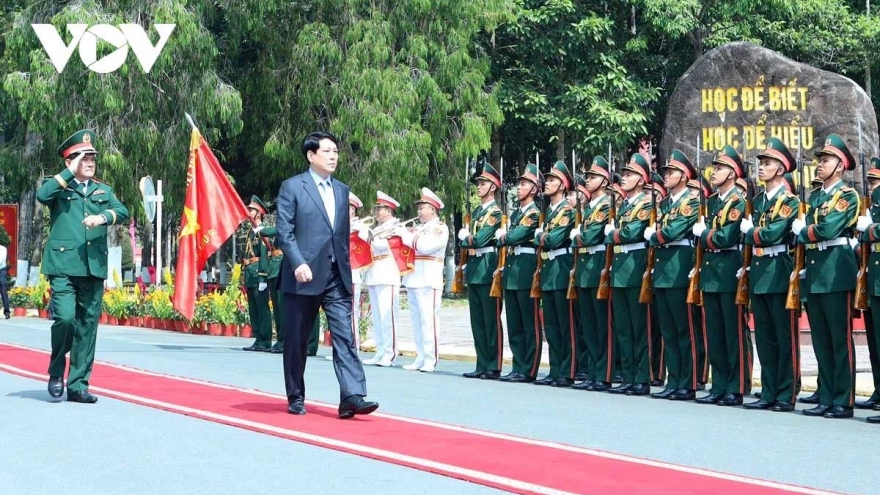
[(746, 225), (364, 235), (740, 272), (699, 228), (609, 228), (500, 233), (853, 242), (863, 223), (802, 273), (356, 226), (575, 233), (797, 226), (262, 286), (691, 273), (649, 232), (538, 232), (463, 233)]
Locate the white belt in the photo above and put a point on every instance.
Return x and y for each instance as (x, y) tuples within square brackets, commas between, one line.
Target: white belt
[(596, 249), (625, 248), (682, 242), (770, 250), (518, 250), (551, 255), (481, 251), (821, 246), (735, 248)]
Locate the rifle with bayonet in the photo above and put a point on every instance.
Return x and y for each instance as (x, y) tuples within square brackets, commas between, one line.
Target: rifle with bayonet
[(861, 300), (604, 290), (742, 285), (497, 290), (694, 294), (458, 279), (793, 296), (578, 219), (535, 292), (646, 293)]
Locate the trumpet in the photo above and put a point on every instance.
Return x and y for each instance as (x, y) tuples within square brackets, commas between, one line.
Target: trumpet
[(367, 222), (386, 231)]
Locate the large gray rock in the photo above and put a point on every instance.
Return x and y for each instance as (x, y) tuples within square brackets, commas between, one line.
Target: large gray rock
[(741, 93)]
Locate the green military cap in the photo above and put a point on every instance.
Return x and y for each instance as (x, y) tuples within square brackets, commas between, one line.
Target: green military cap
[(616, 180), (835, 146), (656, 185), (790, 183), (874, 170), (701, 185), (489, 174), (600, 167), (679, 161), (581, 184), (729, 157), (742, 183), (560, 171), (532, 174), (777, 150), (80, 142), (258, 205), (639, 164)]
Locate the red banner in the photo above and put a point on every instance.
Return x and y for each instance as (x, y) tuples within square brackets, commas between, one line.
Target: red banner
[(9, 221)]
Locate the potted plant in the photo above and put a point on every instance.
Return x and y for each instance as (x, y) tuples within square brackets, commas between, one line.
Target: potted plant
[(18, 299), (40, 295)]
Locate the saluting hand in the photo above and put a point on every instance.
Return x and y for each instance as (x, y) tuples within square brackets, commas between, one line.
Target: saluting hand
[(74, 164)]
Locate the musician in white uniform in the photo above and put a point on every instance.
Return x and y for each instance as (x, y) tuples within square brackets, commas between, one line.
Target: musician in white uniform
[(424, 285)]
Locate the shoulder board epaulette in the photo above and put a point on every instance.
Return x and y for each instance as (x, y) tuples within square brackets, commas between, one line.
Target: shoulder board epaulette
[(568, 207), (735, 197), (848, 189), (98, 180), (814, 189), (790, 194)]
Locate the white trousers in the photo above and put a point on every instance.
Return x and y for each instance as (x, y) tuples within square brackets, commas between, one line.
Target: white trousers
[(424, 306), (385, 304)]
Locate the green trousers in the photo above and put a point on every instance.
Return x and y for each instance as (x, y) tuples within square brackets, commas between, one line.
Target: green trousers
[(583, 352), (678, 338), (729, 343), (700, 341), (831, 330), (778, 341), (261, 316), (872, 333), (655, 351), (486, 327), (560, 332), (523, 331), (597, 335), (314, 336), (76, 303), (277, 311), (631, 325)]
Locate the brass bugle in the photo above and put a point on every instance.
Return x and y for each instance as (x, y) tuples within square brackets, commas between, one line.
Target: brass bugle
[(385, 232), (367, 222), (412, 222)]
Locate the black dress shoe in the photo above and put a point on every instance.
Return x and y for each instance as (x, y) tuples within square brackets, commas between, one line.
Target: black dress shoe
[(761, 404), (56, 387), (639, 389), (521, 378), (620, 389), (473, 374), (839, 412), (277, 349), (663, 394), (657, 383), (783, 407), (581, 376), (873, 419), (7, 315), (257, 348), (731, 400), (617, 379), (585, 385), (298, 406), (491, 375), (710, 399), (757, 395), (813, 399), (562, 382), (819, 410), (867, 404), (83, 397), (547, 380), (507, 377), (600, 387), (683, 394), (356, 405)]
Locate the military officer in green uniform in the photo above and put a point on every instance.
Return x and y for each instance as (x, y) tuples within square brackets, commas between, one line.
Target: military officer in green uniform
[(523, 326), (673, 261), (578, 199), (719, 235), (656, 355), (815, 185), (75, 261), (595, 314), (870, 233), (552, 238), (701, 186), (256, 275), (275, 257), (626, 236), (831, 275), (479, 239)]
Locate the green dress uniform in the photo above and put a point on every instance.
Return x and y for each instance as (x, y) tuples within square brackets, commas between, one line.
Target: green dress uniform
[(256, 272), (276, 257), (523, 327), (871, 235), (701, 185), (627, 269), (75, 262), (485, 311), (673, 261), (555, 243), (729, 337), (831, 275), (656, 353)]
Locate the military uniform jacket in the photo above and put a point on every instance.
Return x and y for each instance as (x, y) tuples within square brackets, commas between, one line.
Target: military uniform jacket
[(722, 258), (73, 249), (429, 241), (384, 269), (520, 268), (871, 235), (769, 274), (256, 259), (555, 244), (589, 266), (482, 258), (275, 255), (673, 253), (831, 216), (630, 255)]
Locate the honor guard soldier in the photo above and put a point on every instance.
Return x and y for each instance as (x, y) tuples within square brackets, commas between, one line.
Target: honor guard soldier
[(479, 239), (815, 185), (75, 262), (256, 274), (627, 269), (553, 239), (424, 284), (729, 338), (656, 354), (831, 275), (701, 186), (276, 257), (383, 282), (870, 233), (523, 325), (595, 314), (674, 259)]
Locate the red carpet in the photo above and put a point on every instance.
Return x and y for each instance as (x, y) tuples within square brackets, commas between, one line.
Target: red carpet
[(510, 463)]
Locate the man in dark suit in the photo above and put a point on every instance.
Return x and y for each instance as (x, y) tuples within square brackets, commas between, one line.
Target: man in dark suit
[(313, 231)]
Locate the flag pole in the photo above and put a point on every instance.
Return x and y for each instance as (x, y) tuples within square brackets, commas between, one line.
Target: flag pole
[(190, 120)]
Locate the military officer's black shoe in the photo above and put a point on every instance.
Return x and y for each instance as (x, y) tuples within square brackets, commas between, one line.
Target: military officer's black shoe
[(783, 407), (473, 374), (731, 400), (600, 387), (298, 407), (664, 394), (584, 385), (580, 376), (710, 399), (873, 419), (562, 382), (56, 387), (620, 389), (813, 399), (547, 380), (819, 410), (683, 394), (867, 404), (761, 404), (83, 397), (507, 377), (839, 412), (521, 378), (490, 375), (639, 389)]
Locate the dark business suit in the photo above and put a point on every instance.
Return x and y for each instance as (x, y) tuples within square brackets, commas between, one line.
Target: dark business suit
[(305, 236)]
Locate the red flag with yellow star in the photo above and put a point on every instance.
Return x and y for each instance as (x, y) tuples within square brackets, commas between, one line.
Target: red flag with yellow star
[(211, 213)]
